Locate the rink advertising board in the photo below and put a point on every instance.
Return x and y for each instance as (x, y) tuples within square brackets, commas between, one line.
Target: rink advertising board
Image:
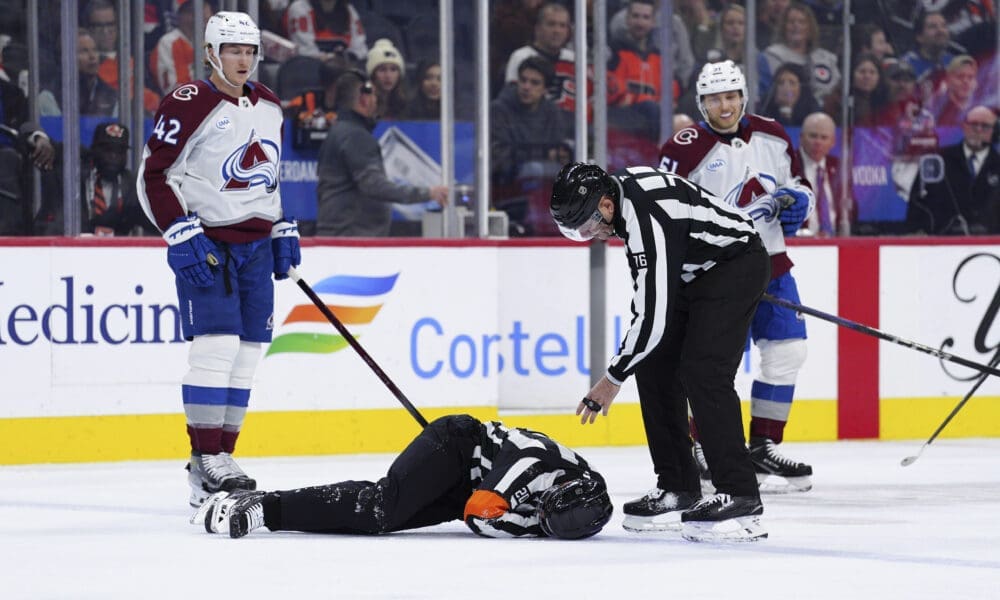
[(91, 352)]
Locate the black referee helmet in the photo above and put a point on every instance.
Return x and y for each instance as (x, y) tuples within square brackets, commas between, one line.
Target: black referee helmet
[(575, 509), (576, 192)]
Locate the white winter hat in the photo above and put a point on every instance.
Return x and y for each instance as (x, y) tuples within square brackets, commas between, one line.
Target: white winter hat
[(384, 52)]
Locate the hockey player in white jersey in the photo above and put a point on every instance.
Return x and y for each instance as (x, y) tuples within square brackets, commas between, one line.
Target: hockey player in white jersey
[(750, 162), (209, 181)]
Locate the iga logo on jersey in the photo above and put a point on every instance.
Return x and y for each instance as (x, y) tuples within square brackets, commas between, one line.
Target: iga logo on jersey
[(253, 163)]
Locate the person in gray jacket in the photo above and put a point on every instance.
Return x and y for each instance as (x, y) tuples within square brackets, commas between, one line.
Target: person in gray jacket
[(354, 193)]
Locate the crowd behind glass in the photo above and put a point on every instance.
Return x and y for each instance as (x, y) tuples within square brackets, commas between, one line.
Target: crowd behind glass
[(913, 71)]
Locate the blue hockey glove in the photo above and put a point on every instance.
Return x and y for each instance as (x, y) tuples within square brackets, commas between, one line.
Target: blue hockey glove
[(794, 208), (285, 247), (189, 252)]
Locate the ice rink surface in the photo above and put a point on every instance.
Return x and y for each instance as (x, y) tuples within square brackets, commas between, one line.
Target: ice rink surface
[(868, 529)]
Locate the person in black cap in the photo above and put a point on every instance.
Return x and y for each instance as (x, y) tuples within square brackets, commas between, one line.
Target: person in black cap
[(111, 206)]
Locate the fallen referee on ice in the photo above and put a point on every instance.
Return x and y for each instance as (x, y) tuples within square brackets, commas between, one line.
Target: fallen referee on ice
[(502, 481)]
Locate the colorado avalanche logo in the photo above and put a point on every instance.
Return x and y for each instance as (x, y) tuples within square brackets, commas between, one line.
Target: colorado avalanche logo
[(185, 92), (753, 195), (253, 163)]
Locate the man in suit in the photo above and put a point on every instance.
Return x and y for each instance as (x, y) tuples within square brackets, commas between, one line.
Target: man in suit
[(834, 211), (967, 199)]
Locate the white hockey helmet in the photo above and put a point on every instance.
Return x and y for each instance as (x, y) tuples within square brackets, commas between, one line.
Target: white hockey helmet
[(231, 28), (719, 77)]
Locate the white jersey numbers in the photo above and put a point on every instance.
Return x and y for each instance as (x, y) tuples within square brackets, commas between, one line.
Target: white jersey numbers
[(166, 130)]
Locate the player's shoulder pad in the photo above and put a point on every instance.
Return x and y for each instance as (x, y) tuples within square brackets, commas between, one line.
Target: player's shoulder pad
[(681, 152), (194, 99), (766, 125), (266, 93)]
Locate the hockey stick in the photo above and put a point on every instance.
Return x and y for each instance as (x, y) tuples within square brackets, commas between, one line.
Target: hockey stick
[(909, 460), (985, 369), (357, 347)]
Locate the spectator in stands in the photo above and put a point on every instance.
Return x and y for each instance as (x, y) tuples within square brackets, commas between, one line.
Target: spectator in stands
[(354, 194), (931, 56), (386, 70), (789, 100), (172, 62), (313, 111), (769, 14), (627, 31), (111, 206), (702, 25), (798, 44), (729, 45), (954, 96), (511, 27), (868, 91), (324, 28), (96, 96), (901, 86), (528, 133), (102, 20), (732, 37), (426, 102), (834, 212), (967, 200), (869, 38), (829, 20), (22, 143), (634, 85), (912, 127), (972, 24), (552, 32)]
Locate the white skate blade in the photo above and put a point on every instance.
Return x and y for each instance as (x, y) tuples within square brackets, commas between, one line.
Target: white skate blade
[(741, 529), (668, 521), (776, 484), (204, 512), (198, 497)]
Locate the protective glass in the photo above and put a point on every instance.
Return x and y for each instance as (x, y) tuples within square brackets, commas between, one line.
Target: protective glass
[(589, 230)]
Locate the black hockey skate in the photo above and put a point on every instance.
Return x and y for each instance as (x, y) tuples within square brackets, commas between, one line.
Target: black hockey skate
[(775, 473), (703, 471), (210, 473), (658, 510), (237, 513), (724, 518)]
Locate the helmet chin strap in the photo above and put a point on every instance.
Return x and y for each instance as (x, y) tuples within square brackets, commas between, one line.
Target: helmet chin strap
[(217, 67)]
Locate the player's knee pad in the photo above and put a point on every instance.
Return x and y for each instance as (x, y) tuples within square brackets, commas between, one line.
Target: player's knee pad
[(780, 360), (245, 365), (211, 359)]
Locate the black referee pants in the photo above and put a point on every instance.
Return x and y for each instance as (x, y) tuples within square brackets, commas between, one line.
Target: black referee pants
[(696, 362), (427, 484)]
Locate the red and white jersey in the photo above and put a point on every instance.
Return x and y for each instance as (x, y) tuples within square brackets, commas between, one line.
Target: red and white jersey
[(216, 156), (741, 168)]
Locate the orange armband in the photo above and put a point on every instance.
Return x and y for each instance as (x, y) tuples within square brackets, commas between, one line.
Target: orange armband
[(485, 504)]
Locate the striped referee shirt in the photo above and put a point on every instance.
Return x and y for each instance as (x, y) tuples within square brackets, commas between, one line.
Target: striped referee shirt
[(674, 231), (520, 464)]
